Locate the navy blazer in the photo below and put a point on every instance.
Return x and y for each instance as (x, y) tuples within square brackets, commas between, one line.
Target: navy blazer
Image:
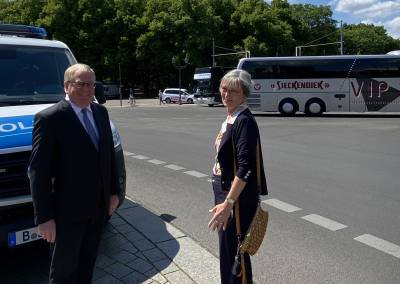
[(69, 178), (242, 136)]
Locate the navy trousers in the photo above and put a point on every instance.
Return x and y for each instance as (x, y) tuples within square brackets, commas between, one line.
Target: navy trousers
[(228, 239), (75, 250)]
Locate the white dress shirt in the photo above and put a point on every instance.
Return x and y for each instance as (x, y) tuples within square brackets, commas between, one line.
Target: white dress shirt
[(79, 114)]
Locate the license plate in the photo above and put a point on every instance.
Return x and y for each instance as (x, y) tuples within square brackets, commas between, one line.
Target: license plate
[(23, 237)]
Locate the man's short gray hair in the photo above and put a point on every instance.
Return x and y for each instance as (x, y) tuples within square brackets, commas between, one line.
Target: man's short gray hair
[(238, 78), (71, 70)]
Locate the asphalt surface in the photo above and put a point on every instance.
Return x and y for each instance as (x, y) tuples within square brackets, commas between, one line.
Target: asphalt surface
[(334, 201), (333, 183)]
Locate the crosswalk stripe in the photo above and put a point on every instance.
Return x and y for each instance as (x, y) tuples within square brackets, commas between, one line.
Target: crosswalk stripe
[(140, 157), (281, 205), (174, 167), (195, 174), (324, 222), (156, 162), (379, 244)]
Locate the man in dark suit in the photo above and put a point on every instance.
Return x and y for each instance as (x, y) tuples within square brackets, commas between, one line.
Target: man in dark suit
[(72, 175)]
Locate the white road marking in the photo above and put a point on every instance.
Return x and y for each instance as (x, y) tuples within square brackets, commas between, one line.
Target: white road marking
[(379, 244), (281, 205), (140, 157), (324, 222), (195, 174), (174, 167), (156, 162), (126, 153)]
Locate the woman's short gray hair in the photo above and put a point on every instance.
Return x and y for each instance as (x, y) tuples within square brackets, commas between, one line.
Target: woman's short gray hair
[(238, 78)]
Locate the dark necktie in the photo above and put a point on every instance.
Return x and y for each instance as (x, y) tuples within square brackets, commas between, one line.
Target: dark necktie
[(89, 129)]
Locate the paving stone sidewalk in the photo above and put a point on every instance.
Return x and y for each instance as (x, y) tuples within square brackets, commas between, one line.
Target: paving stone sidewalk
[(139, 247)]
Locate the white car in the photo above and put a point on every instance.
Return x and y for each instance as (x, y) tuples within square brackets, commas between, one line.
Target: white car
[(171, 95)]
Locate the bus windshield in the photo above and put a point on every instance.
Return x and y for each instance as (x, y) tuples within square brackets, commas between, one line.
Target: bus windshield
[(206, 85)]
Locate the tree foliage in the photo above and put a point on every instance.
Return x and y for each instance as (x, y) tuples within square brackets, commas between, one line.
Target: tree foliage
[(368, 39), (140, 37)]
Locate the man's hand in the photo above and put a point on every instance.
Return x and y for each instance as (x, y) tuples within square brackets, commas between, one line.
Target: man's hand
[(48, 230), (114, 201)]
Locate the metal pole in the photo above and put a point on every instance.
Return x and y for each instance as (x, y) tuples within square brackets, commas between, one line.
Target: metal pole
[(213, 55), (180, 94), (120, 85), (341, 38)]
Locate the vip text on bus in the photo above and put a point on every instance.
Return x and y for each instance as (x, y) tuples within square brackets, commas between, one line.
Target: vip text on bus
[(318, 84)]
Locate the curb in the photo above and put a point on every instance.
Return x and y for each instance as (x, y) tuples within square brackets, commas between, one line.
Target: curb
[(140, 247)]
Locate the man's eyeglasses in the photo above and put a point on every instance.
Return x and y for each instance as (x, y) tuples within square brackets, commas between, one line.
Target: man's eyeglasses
[(80, 85)]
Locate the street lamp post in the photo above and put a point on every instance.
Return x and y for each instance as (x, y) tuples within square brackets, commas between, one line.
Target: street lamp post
[(179, 66)]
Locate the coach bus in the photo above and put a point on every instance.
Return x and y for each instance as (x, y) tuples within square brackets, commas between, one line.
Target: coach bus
[(206, 85), (318, 84)]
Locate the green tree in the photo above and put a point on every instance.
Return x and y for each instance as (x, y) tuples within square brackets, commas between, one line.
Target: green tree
[(368, 39), (142, 36), (21, 11), (85, 25), (313, 24), (174, 28)]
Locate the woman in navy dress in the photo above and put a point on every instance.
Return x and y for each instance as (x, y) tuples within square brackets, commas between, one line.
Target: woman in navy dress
[(236, 145)]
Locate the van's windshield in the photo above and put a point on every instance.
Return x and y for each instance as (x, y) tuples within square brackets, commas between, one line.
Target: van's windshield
[(30, 75)]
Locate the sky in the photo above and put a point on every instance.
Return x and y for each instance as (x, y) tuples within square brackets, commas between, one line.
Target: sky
[(378, 12)]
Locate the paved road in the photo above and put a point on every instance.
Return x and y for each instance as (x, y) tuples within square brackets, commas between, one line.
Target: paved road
[(334, 202), (334, 184)]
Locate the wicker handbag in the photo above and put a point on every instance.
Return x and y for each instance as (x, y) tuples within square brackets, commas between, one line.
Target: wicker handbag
[(256, 232)]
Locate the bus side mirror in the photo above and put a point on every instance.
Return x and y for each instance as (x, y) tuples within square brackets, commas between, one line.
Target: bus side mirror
[(99, 93)]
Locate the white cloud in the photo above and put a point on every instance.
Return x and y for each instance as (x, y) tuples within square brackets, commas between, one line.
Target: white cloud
[(393, 27), (380, 10), (332, 3), (348, 6)]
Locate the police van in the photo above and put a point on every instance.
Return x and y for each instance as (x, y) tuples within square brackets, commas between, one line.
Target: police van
[(31, 79)]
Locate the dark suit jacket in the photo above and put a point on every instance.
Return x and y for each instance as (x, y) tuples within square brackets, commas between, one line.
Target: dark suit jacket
[(243, 134), (69, 178)]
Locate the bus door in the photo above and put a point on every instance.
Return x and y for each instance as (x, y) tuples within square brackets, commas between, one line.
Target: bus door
[(263, 95), (339, 93)]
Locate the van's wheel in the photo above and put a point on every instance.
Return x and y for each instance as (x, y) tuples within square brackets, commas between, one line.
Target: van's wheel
[(167, 100), (314, 107), (189, 101), (288, 107)]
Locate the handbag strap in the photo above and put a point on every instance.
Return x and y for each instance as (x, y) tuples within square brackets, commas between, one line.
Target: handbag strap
[(258, 171), (237, 214), (258, 163)]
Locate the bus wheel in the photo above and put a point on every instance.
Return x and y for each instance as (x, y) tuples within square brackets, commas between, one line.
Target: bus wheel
[(167, 100), (288, 107), (314, 107), (210, 105)]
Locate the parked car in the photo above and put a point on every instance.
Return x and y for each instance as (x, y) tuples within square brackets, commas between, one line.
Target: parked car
[(171, 95), (111, 90)]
